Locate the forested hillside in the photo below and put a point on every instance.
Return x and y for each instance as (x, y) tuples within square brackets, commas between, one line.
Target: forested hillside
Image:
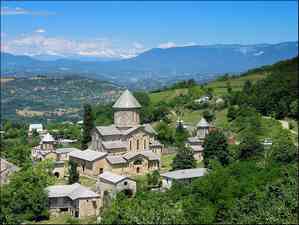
[(248, 182)]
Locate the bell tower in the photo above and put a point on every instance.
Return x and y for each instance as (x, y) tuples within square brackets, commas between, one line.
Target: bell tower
[(126, 111)]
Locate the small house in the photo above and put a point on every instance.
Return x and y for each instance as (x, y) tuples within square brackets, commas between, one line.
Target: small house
[(111, 183), (186, 176), (74, 199)]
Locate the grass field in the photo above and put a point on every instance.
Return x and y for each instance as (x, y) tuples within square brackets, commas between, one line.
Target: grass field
[(219, 87), (166, 95)]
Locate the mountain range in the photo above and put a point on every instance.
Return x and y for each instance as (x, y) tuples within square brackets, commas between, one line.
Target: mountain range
[(159, 65)]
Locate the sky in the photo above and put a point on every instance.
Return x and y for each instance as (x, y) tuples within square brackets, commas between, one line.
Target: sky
[(126, 29)]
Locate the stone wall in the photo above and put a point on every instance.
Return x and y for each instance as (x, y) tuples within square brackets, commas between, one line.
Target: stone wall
[(89, 207), (125, 118)]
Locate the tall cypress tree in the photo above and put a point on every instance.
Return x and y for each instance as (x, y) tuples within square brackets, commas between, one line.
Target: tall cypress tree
[(73, 173), (216, 147), (87, 126)]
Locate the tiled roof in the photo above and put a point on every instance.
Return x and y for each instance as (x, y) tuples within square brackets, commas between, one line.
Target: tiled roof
[(112, 177), (114, 144), (148, 154), (185, 174), (126, 101), (66, 150), (149, 128), (115, 159), (88, 155), (108, 130), (73, 191)]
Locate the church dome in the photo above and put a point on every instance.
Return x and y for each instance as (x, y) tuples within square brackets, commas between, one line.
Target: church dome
[(126, 101)]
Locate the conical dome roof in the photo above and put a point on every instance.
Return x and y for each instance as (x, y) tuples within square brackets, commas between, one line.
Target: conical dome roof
[(126, 101), (203, 123)]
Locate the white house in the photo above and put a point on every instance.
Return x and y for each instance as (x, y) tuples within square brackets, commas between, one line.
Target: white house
[(185, 175), (37, 127)]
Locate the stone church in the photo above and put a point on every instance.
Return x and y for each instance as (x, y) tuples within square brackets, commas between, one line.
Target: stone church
[(195, 143), (129, 147)]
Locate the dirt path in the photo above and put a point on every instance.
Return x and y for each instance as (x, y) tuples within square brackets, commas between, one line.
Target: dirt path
[(284, 124)]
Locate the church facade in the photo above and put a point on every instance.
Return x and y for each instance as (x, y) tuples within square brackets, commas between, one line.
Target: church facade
[(130, 147)]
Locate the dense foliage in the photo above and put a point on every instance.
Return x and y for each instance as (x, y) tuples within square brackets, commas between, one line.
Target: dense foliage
[(15, 146), (24, 197), (276, 95), (216, 148), (183, 159)]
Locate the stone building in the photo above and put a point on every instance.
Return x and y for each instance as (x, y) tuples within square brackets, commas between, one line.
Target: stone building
[(185, 176), (47, 150), (195, 143), (89, 162), (109, 184), (75, 199), (92, 163), (131, 147)]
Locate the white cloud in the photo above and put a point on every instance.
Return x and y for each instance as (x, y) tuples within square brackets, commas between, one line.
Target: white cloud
[(138, 45), (37, 43), (40, 30), (6, 11), (171, 44), (167, 45)]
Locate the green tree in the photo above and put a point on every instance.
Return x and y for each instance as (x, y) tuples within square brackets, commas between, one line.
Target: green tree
[(183, 159), (181, 135), (24, 198), (232, 113), (294, 109), (250, 146), (73, 172), (247, 88), (216, 147), (165, 133), (87, 126), (208, 115)]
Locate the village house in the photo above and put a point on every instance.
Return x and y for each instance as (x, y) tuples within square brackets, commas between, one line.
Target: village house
[(74, 199), (89, 162), (6, 169), (109, 184), (47, 150), (37, 127), (185, 176)]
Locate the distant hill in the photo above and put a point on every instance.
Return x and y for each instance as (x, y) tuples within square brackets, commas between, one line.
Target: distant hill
[(220, 85), (158, 67), (61, 98)]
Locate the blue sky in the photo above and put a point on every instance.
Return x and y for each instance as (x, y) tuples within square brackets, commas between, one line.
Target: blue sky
[(124, 29)]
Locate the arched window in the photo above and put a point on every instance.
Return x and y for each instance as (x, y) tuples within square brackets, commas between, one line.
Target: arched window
[(130, 144), (137, 144), (144, 143)]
